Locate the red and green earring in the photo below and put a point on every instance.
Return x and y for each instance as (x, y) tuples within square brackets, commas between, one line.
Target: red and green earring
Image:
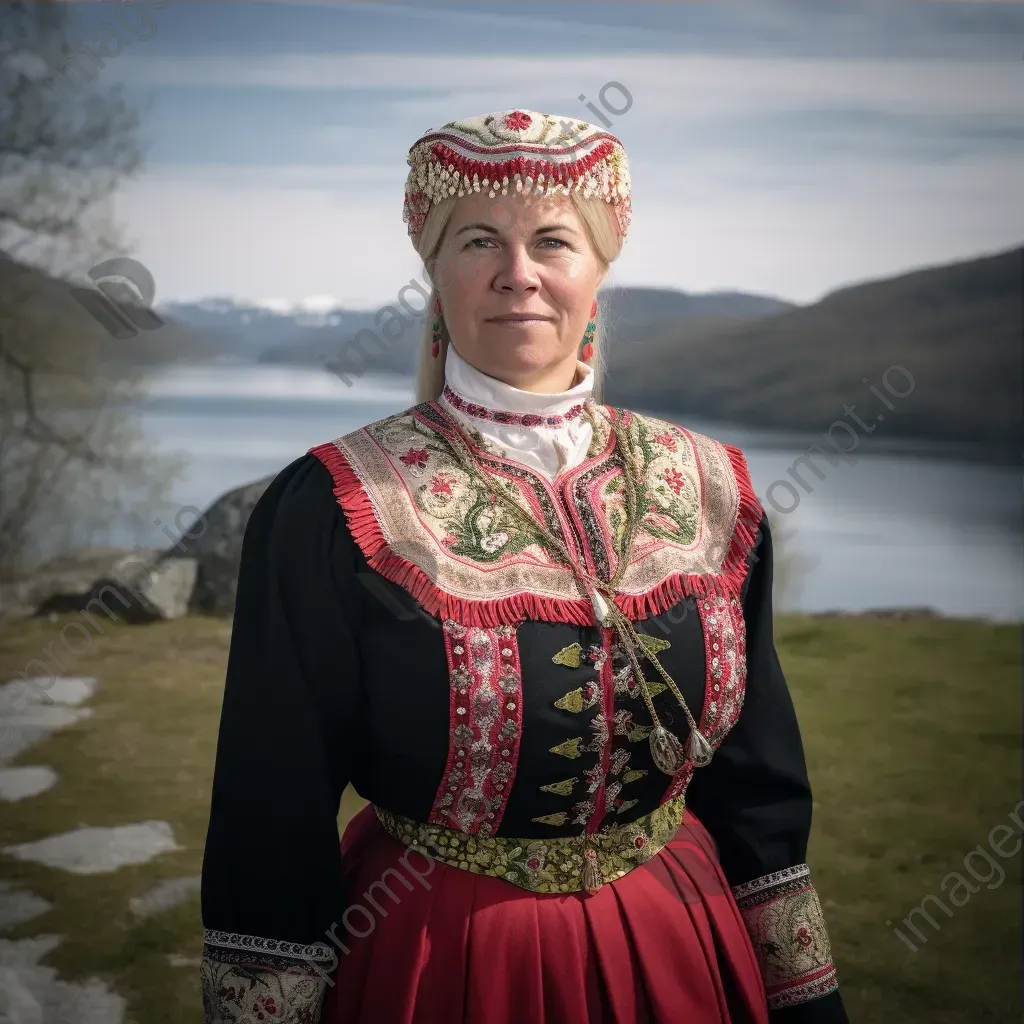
[(588, 335), (436, 327)]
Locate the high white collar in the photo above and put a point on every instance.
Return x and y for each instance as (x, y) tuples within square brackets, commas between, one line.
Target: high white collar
[(495, 395), (555, 436)]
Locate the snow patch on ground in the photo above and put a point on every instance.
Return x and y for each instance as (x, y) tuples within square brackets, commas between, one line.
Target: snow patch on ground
[(34, 708), (25, 728), (25, 781), (90, 851), (71, 690), (18, 906), (31, 994), (176, 960), (165, 895)]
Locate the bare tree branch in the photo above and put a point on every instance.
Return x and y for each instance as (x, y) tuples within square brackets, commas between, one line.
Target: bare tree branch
[(71, 456), (35, 428)]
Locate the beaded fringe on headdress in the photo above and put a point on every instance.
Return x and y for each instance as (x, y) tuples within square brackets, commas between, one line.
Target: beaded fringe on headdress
[(531, 152)]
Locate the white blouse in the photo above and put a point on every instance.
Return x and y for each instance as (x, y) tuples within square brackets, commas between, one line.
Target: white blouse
[(484, 402)]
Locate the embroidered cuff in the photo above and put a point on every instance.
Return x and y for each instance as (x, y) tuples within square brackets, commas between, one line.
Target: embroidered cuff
[(787, 929), (246, 979)]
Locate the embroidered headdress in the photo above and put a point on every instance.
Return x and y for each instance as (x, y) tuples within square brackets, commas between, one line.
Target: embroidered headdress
[(529, 152)]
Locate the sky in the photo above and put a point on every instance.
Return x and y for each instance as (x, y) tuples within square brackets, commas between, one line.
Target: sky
[(785, 149)]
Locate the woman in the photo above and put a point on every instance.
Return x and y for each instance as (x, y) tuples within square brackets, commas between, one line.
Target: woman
[(522, 624)]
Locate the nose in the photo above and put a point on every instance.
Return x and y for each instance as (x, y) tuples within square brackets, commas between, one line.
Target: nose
[(518, 272)]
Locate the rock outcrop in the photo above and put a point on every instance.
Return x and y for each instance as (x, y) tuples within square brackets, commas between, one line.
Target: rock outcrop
[(216, 548), (197, 574)]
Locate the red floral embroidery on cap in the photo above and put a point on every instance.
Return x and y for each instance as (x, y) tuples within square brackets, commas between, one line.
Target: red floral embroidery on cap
[(517, 121)]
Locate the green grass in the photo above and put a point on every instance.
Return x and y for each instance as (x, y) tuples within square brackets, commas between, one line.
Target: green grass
[(912, 733)]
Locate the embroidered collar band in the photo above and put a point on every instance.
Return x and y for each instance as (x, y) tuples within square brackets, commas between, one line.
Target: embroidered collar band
[(547, 432), (483, 397), (522, 150)]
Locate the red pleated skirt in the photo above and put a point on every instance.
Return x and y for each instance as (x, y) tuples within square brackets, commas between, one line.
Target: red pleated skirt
[(665, 944)]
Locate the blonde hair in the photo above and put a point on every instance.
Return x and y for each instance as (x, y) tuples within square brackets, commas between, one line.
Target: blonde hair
[(600, 226)]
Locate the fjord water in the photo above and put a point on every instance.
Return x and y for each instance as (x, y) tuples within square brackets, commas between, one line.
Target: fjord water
[(892, 527)]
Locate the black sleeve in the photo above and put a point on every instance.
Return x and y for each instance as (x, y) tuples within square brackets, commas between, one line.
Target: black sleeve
[(271, 869), (755, 800)]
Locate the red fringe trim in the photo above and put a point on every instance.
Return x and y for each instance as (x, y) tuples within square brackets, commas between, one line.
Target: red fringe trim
[(516, 608), (491, 171), (748, 518)]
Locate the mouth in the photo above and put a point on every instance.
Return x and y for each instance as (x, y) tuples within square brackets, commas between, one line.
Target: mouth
[(519, 318)]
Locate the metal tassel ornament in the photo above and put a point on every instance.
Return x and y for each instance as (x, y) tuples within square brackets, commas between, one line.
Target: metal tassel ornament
[(699, 749), (666, 750), (600, 606), (591, 879)]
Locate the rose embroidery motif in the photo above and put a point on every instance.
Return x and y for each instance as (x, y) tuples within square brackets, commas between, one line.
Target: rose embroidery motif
[(517, 121), (675, 480), (414, 457), (463, 521), (442, 484)]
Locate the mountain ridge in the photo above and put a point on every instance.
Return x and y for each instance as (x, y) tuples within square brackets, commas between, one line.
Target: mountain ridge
[(954, 329)]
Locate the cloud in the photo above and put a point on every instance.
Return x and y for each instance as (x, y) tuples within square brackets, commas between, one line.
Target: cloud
[(708, 224), (327, 177), (239, 237), (782, 27), (681, 86), (761, 170)]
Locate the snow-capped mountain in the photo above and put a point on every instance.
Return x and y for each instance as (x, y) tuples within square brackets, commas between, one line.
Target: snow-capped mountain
[(224, 314), (248, 329), (314, 330)]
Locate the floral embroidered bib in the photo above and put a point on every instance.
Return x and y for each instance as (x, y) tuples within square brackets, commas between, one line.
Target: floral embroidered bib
[(426, 524)]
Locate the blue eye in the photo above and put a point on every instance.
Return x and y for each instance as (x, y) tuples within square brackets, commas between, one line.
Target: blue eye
[(483, 238)]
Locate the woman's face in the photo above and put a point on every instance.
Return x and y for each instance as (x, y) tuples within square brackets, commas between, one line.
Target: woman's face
[(517, 256)]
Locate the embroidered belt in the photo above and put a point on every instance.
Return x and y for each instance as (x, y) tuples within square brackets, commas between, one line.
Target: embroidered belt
[(558, 864)]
